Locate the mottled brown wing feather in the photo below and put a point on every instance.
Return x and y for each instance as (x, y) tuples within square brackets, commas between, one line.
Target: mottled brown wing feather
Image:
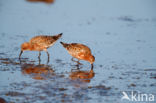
[(78, 49), (81, 48), (44, 41)]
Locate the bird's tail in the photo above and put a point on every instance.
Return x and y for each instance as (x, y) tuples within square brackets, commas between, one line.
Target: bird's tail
[(57, 36), (64, 44)]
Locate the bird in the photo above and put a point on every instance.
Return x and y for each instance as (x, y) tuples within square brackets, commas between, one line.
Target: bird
[(39, 43), (79, 51)]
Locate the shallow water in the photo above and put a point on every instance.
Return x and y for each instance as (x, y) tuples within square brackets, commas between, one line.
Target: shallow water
[(121, 35)]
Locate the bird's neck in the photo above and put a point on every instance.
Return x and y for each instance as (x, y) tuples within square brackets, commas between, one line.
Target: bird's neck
[(32, 47)]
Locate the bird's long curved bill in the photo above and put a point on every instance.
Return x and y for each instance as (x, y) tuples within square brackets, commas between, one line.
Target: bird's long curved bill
[(20, 54)]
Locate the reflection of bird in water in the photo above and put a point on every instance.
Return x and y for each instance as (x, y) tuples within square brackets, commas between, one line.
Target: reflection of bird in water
[(84, 76), (39, 43), (39, 72), (46, 1), (79, 51)]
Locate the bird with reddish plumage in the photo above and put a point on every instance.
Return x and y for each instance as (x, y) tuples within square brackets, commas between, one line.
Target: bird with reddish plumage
[(79, 51), (39, 43)]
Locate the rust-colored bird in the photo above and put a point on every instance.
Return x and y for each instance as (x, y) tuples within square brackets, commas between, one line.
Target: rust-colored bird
[(39, 43), (79, 51)]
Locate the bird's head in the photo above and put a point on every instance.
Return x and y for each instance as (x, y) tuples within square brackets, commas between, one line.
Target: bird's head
[(91, 59), (25, 46)]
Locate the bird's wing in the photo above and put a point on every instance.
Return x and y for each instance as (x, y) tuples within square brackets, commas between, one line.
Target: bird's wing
[(83, 49), (45, 41), (78, 49)]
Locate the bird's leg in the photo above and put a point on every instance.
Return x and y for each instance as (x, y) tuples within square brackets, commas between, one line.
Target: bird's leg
[(72, 59), (39, 54), (48, 56), (92, 66), (20, 60), (39, 59), (76, 61), (20, 54)]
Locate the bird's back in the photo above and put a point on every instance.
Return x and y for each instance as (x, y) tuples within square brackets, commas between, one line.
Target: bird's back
[(44, 40), (77, 49)]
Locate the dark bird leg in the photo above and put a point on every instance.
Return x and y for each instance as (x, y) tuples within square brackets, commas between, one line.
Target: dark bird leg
[(20, 54), (39, 54), (92, 66), (48, 56), (20, 60), (39, 59), (72, 59)]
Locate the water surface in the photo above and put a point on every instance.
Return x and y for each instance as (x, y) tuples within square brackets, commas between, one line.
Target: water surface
[(121, 35)]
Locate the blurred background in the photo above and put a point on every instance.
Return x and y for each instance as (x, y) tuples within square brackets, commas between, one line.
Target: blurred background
[(120, 33)]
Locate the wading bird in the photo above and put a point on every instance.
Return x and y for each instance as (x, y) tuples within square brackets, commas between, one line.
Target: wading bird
[(39, 43), (79, 51)]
